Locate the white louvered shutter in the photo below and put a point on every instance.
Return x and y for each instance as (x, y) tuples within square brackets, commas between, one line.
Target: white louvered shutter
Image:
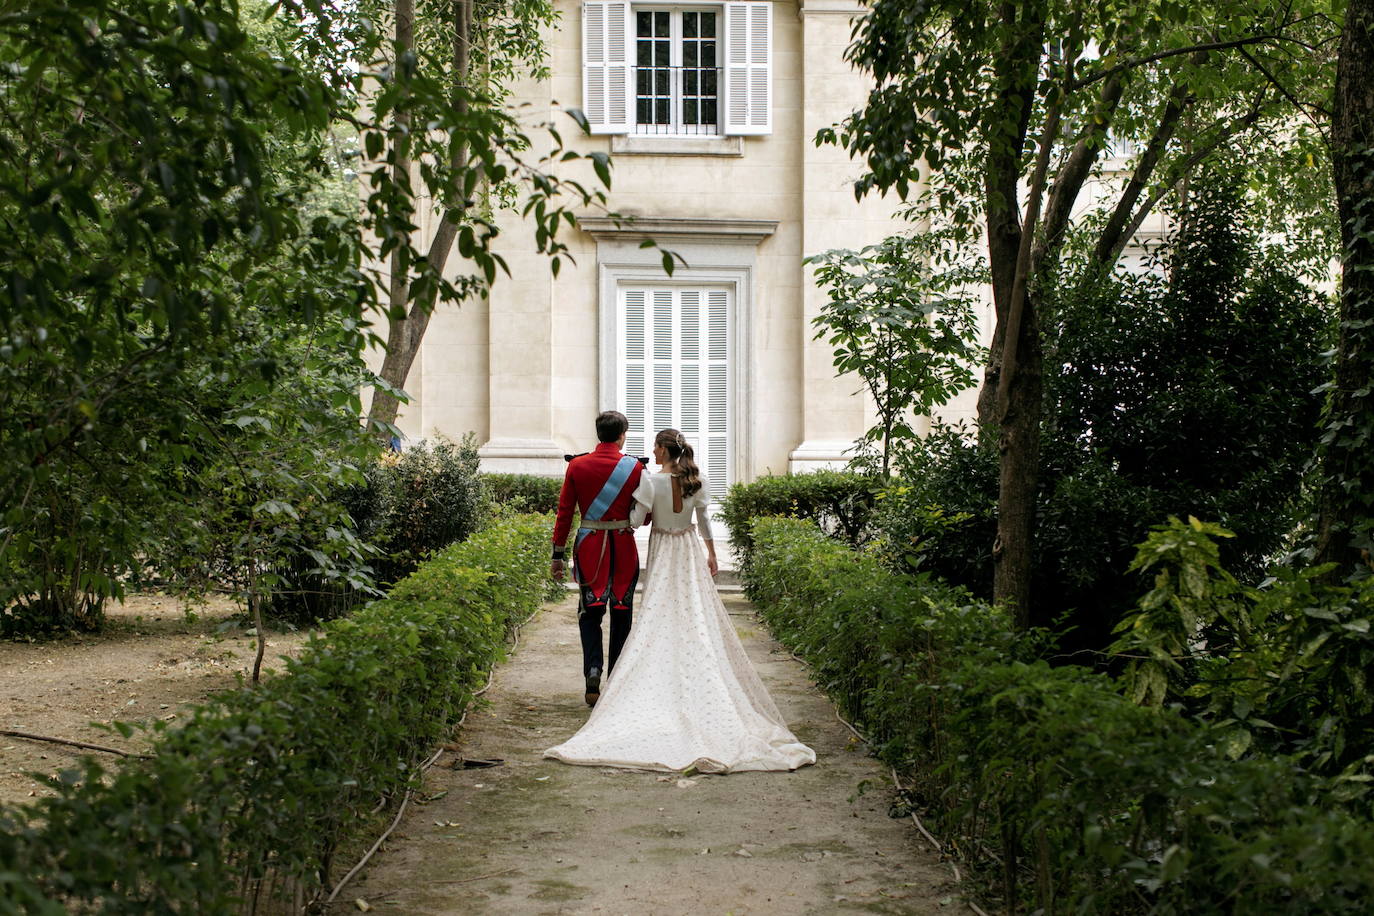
[(606, 66), (674, 371), (748, 68), (632, 393), (715, 437)]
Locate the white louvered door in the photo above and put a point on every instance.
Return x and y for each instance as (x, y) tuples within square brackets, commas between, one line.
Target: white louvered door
[(673, 370)]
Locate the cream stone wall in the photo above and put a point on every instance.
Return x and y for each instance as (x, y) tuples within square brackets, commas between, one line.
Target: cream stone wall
[(524, 371), (835, 413)]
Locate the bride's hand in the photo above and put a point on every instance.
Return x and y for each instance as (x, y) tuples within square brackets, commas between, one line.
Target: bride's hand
[(712, 565)]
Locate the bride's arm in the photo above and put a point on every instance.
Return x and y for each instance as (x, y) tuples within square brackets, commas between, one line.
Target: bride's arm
[(642, 506), (704, 527)]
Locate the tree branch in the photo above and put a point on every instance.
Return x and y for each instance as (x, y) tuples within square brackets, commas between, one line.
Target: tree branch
[(1107, 249), (84, 745), (1286, 94), (1177, 52), (1020, 281), (1075, 172), (1015, 71), (1181, 169)]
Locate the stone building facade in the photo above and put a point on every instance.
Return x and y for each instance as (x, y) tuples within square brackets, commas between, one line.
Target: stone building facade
[(709, 111)]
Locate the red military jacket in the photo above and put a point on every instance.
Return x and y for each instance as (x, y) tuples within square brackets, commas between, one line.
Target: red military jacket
[(606, 562)]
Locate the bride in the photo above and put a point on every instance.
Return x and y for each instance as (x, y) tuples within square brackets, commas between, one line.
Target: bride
[(684, 693)]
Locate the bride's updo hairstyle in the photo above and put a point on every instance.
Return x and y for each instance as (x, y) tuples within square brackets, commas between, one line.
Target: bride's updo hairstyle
[(688, 474)]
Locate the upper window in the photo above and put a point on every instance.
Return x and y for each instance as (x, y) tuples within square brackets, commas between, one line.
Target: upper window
[(677, 71), (677, 79)]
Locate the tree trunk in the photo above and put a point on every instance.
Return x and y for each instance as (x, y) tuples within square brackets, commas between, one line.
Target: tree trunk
[(1345, 505), (396, 365), (1016, 72), (1018, 447), (405, 334), (1009, 404)]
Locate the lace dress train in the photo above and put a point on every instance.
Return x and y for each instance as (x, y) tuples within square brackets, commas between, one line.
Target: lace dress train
[(683, 693)]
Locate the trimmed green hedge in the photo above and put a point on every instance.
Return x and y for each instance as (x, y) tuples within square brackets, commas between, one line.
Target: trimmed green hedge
[(1061, 793), (524, 492), (255, 794), (840, 502)]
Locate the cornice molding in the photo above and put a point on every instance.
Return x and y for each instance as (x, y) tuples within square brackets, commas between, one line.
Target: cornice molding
[(830, 7), (737, 231)]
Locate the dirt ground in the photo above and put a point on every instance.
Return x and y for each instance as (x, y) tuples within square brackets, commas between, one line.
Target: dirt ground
[(534, 836), (151, 662)]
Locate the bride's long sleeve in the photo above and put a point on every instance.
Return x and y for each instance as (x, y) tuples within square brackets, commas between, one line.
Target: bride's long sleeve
[(643, 503), (703, 515)]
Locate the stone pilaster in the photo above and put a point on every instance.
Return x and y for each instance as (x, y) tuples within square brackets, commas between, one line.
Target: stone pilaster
[(834, 412)]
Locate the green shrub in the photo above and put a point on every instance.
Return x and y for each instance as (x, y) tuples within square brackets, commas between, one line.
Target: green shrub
[(1283, 668), (263, 783), (524, 492), (1103, 806), (1194, 393), (941, 516), (410, 504), (870, 636), (1062, 794), (437, 499), (839, 501)]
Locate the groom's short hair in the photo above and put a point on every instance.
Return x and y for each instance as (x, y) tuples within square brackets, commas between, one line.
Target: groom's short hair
[(611, 425)]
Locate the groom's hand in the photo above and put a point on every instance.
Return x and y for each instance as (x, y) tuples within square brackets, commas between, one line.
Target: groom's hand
[(556, 569)]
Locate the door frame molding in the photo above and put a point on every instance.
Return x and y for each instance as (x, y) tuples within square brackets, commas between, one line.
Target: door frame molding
[(718, 474), (719, 252)]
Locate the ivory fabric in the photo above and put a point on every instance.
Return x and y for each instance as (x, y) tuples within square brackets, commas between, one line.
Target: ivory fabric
[(683, 692), (655, 494)]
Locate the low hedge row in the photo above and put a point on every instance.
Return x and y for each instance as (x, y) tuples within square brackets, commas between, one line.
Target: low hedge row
[(840, 502), (524, 492), (253, 797), (1061, 793)]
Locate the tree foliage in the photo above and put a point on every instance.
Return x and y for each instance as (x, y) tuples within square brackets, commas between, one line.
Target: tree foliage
[(901, 318), (1191, 393), (189, 278), (1018, 103), (163, 274)]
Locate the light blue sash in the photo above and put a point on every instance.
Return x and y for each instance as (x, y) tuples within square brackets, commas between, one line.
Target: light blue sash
[(608, 493), (611, 490)]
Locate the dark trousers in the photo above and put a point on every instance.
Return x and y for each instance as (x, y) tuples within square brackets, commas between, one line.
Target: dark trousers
[(589, 616)]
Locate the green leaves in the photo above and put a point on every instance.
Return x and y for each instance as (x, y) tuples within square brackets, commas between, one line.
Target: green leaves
[(601, 164), (181, 254), (900, 316), (266, 783), (1044, 778), (1191, 590)]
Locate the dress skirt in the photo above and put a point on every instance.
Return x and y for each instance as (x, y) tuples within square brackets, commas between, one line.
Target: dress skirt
[(683, 693)]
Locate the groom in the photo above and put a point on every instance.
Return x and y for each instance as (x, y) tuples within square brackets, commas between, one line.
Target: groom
[(600, 485)]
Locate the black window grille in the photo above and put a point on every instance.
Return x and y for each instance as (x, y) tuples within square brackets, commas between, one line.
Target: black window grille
[(677, 76)]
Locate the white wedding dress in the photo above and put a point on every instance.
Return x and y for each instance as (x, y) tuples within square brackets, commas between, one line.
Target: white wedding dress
[(683, 693)]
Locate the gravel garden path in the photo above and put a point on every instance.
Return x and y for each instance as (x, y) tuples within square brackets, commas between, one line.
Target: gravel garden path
[(532, 836)]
